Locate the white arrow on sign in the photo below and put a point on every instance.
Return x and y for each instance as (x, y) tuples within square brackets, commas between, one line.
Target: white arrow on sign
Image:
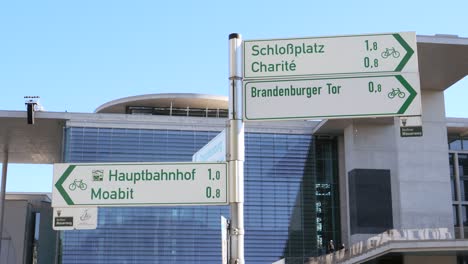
[(392, 52), (132, 184), (361, 96)]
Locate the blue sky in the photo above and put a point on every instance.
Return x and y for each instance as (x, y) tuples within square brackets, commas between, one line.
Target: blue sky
[(78, 55)]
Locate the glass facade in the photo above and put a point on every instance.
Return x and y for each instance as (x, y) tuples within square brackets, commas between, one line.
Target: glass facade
[(291, 200)]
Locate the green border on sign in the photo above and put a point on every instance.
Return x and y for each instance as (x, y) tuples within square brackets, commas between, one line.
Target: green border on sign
[(71, 166), (400, 111), (397, 36)]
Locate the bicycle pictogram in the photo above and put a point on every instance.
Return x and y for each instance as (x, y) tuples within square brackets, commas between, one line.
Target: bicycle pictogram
[(85, 216), (395, 92), (390, 52), (77, 184)]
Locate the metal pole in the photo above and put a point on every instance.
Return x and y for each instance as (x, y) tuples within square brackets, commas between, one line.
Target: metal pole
[(2, 194), (235, 151)]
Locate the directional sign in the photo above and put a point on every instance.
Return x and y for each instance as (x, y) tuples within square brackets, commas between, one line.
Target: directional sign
[(393, 52), (75, 218), (132, 184), (215, 150), (360, 96)]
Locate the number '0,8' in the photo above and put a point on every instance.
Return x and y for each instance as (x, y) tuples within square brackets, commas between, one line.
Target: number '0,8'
[(368, 64), (209, 194)]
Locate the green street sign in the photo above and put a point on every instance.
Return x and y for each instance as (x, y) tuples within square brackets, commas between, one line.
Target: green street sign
[(305, 57), (339, 97), (133, 184), (411, 131)]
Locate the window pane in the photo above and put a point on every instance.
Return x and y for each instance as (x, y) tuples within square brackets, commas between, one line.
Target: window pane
[(465, 219), (454, 143), (455, 222), (465, 143), (452, 176), (463, 171)]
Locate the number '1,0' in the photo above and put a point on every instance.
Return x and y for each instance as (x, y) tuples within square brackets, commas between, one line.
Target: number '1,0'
[(217, 175)]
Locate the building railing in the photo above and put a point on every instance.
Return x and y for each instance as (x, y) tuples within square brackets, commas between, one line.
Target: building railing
[(380, 240)]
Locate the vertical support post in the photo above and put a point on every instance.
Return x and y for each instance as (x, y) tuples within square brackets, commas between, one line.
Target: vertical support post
[(2, 194), (458, 197), (235, 151)]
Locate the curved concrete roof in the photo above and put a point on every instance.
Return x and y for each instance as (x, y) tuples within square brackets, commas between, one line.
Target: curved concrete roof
[(178, 100)]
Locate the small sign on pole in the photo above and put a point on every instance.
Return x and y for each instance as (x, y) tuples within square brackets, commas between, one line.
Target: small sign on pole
[(411, 126), (75, 218), (215, 150)]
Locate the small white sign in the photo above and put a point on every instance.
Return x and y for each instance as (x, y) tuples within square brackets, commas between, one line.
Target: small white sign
[(408, 121), (75, 218), (215, 150)]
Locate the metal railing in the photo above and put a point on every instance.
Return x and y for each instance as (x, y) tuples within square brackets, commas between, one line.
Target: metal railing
[(363, 247)]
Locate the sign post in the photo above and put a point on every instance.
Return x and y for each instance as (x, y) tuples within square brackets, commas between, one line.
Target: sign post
[(224, 240), (236, 152)]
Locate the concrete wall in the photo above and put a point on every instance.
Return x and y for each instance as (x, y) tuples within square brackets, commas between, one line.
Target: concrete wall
[(18, 230), (420, 182), (423, 171), (14, 232), (370, 146)]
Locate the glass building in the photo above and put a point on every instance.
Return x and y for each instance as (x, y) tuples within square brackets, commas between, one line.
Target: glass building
[(291, 195)]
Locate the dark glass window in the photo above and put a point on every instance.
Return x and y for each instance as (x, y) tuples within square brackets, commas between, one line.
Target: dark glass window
[(457, 228), (465, 143), (327, 194), (452, 177), (194, 112), (139, 110), (463, 171), (465, 219), (291, 205), (455, 143)]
